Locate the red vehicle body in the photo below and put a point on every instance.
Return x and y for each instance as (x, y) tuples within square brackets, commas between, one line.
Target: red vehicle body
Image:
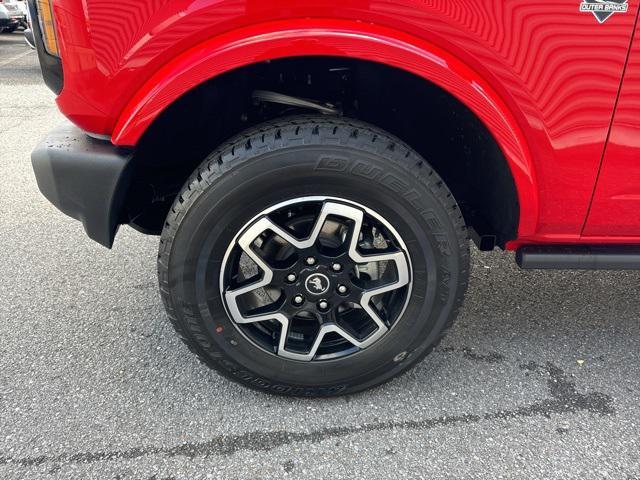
[(545, 79), (553, 86)]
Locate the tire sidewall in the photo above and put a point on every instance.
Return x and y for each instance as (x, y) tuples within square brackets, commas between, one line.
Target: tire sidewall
[(215, 213)]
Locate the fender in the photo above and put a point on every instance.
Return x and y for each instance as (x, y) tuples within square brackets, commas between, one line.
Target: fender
[(306, 37)]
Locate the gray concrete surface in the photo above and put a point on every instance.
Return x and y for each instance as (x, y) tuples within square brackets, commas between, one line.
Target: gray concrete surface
[(538, 379)]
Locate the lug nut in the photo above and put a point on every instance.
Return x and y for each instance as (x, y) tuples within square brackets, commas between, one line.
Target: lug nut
[(298, 299), (336, 267), (310, 261), (291, 277), (342, 289), (323, 304)]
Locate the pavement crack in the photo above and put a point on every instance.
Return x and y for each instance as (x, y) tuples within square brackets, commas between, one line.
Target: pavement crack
[(565, 399)]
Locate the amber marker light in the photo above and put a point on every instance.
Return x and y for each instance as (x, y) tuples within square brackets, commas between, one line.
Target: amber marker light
[(48, 27)]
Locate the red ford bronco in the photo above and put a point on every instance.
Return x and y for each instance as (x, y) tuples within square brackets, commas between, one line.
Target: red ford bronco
[(315, 169)]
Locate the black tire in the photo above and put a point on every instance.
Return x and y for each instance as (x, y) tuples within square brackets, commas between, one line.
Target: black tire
[(10, 29), (305, 156)]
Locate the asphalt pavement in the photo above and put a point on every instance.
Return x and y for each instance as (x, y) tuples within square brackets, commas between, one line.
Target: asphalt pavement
[(539, 378)]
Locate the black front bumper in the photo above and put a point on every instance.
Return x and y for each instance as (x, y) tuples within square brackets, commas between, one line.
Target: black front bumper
[(85, 178)]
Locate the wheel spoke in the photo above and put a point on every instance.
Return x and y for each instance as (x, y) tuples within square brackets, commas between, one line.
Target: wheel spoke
[(265, 224), (399, 259), (231, 296), (402, 269), (324, 330)]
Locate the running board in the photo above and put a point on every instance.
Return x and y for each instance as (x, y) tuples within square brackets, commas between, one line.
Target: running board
[(578, 257)]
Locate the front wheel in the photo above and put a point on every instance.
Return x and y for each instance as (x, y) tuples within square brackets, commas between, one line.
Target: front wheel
[(313, 256)]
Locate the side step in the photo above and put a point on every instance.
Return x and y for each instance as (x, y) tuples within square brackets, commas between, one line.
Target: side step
[(579, 257)]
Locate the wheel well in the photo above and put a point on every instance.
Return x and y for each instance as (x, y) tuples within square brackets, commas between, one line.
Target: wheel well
[(437, 125)]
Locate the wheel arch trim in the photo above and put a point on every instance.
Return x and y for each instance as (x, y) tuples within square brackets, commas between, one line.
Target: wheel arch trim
[(317, 37)]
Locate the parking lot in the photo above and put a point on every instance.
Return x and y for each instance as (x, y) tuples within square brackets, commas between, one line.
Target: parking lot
[(539, 378)]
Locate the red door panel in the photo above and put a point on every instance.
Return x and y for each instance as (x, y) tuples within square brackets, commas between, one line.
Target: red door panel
[(616, 205)]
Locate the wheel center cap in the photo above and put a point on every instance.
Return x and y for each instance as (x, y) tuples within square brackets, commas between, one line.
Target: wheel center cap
[(317, 284)]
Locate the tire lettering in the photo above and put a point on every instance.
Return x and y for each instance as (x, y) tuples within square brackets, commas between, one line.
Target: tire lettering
[(334, 164), (365, 170), (394, 183)]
